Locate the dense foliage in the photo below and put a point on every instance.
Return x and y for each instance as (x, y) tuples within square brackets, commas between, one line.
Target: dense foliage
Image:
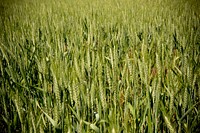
[(135, 64)]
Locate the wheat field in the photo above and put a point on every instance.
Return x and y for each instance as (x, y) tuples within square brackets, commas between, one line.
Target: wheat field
[(100, 66)]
